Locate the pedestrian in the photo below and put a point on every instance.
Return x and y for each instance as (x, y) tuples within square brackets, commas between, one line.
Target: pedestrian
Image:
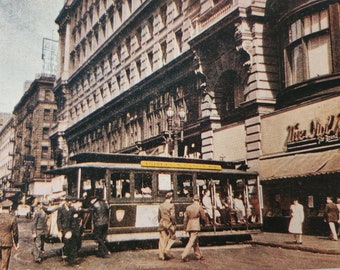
[(9, 233), (338, 205), (100, 211), (239, 208), (297, 217), (211, 210), (331, 215), (68, 221), (193, 216), (39, 231), (167, 227)]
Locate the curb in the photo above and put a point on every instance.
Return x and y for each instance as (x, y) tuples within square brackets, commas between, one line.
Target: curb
[(293, 247)]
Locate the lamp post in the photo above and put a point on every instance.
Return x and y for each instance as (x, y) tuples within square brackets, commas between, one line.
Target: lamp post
[(173, 131)]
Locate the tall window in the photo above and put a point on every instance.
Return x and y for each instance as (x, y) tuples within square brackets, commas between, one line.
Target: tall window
[(47, 115), (164, 52), (46, 133), (163, 14), (308, 52), (44, 152), (48, 94), (150, 26)]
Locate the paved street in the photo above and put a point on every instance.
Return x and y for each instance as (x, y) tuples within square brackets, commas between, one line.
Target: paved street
[(242, 256)]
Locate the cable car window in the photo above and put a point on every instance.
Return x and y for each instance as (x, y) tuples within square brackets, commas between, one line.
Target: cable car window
[(184, 185), (143, 185), (120, 185), (165, 184)]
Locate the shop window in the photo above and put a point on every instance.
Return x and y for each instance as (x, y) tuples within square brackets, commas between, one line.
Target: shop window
[(308, 53), (143, 185), (120, 185)]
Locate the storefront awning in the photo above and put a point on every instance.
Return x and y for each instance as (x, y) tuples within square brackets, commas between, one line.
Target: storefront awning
[(299, 165)]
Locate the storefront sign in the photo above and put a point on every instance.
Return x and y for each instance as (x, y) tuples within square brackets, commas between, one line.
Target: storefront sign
[(317, 133)]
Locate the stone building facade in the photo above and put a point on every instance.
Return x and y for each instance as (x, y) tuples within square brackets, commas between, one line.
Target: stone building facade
[(258, 81), (6, 153), (34, 116), (124, 63)]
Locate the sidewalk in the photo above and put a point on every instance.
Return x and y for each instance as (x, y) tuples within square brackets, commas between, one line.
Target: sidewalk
[(311, 243)]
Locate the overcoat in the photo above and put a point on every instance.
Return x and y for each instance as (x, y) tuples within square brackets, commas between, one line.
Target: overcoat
[(194, 213), (331, 212), (166, 216), (9, 233)]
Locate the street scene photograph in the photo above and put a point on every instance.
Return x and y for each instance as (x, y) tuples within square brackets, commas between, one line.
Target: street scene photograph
[(169, 134)]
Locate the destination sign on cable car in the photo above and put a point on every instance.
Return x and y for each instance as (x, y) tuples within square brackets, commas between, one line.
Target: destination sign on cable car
[(179, 165)]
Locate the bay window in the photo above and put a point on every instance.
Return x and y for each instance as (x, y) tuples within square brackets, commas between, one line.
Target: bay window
[(308, 53)]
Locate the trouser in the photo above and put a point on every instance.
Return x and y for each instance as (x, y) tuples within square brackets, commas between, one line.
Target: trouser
[(70, 249), (225, 215), (166, 240), (333, 231), (38, 245), (192, 243), (5, 255), (100, 235)]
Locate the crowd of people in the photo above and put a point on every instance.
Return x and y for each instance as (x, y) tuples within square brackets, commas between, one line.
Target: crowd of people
[(331, 215), (220, 211), (65, 221), (71, 217)]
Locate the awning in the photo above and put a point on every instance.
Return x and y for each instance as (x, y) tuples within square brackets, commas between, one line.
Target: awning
[(299, 165)]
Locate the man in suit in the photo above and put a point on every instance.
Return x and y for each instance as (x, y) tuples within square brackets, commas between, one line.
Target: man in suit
[(193, 215), (331, 215), (167, 227), (68, 221), (9, 234), (101, 215), (39, 231)]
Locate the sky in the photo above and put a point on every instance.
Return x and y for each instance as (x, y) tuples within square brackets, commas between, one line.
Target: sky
[(23, 25)]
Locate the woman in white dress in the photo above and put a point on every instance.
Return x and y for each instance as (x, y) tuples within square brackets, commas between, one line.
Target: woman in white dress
[(296, 221)]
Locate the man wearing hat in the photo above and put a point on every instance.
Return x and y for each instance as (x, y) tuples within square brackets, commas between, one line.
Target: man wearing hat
[(100, 210), (68, 221), (167, 227), (193, 215), (9, 234), (39, 230)]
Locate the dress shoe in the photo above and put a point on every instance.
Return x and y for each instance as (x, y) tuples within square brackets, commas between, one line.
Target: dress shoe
[(168, 256)]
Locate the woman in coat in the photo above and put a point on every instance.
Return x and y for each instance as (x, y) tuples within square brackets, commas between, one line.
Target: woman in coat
[(296, 221)]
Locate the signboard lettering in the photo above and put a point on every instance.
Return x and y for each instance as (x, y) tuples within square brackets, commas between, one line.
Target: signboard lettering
[(317, 133)]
